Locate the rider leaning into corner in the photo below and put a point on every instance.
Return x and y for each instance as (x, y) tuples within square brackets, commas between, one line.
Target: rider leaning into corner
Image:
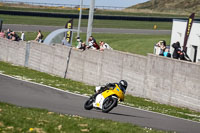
[(122, 85), (106, 97)]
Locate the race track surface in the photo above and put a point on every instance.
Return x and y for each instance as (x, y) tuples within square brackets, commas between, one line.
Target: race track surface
[(28, 94), (35, 28)]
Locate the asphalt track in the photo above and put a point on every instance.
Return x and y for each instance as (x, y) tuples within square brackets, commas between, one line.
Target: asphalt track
[(31, 28), (28, 94)]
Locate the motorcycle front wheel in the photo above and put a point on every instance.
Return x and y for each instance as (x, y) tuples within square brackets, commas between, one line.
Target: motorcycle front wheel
[(108, 104), (89, 104)]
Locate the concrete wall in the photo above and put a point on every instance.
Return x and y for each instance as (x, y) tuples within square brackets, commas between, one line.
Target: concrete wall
[(12, 52), (173, 82), (159, 78)]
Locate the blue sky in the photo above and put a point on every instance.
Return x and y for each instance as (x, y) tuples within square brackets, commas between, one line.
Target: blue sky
[(114, 3)]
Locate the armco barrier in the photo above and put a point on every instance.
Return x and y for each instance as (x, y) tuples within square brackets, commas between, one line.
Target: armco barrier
[(158, 78)]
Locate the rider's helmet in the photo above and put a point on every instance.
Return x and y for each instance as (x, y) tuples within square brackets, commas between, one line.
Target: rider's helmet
[(123, 85)]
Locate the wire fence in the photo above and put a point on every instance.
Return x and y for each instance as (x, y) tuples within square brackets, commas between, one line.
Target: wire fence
[(61, 5)]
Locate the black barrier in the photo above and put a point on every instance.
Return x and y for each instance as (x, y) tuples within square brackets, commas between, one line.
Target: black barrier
[(59, 15), (1, 23)]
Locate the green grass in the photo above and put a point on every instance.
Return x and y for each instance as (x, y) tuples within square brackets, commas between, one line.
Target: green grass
[(132, 43), (30, 20), (15, 119), (147, 104), (81, 88)]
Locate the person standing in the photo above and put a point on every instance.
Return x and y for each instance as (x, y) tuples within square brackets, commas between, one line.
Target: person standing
[(22, 36)]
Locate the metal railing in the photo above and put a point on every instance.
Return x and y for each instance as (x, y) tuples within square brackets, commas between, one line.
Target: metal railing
[(60, 5)]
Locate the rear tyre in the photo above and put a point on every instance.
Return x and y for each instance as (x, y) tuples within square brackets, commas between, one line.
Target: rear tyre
[(89, 104), (108, 104)]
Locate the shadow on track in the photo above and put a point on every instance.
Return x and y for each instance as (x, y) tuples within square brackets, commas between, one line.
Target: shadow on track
[(119, 114)]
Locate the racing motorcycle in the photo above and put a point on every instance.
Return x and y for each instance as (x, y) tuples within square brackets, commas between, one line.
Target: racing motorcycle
[(105, 100)]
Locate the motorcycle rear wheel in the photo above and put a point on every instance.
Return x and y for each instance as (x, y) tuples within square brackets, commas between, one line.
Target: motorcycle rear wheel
[(89, 104), (108, 104)]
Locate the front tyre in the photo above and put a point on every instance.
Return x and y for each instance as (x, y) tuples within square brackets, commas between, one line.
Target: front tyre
[(108, 104), (89, 104)]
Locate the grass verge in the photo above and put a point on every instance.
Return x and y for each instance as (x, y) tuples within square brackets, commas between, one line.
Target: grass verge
[(15, 119), (31, 20), (132, 43), (77, 87)]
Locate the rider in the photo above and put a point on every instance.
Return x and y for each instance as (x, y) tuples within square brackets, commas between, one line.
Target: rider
[(122, 85)]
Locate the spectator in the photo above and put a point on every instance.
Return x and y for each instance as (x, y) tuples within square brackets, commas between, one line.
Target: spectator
[(22, 36), (178, 53), (93, 39), (83, 46), (78, 42), (14, 36), (177, 50), (92, 43), (39, 37), (160, 47), (8, 34), (2, 34), (96, 46), (166, 53), (104, 45)]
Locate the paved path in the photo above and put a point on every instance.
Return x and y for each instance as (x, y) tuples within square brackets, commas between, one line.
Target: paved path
[(33, 95), (19, 27)]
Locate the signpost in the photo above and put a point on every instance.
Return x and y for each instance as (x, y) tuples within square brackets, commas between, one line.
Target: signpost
[(90, 20), (79, 21)]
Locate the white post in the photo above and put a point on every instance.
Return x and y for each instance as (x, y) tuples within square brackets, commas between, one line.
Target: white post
[(90, 20), (79, 21)]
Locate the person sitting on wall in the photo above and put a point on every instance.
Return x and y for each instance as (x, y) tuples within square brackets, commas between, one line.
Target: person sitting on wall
[(14, 36), (2, 34), (78, 42), (83, 46), (8, 34), (104, 45), (166, 53), (39, 37), (92, 44), (93, 39)]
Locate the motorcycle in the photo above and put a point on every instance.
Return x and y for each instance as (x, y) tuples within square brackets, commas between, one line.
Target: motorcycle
[(105, 100)]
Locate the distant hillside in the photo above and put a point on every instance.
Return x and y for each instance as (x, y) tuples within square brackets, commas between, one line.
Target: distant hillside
[(170, 6)]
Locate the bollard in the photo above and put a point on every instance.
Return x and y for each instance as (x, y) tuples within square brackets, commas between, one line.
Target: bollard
[(155, 27)]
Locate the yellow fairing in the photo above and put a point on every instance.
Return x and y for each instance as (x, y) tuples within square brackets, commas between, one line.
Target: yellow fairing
[(116, 91)]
